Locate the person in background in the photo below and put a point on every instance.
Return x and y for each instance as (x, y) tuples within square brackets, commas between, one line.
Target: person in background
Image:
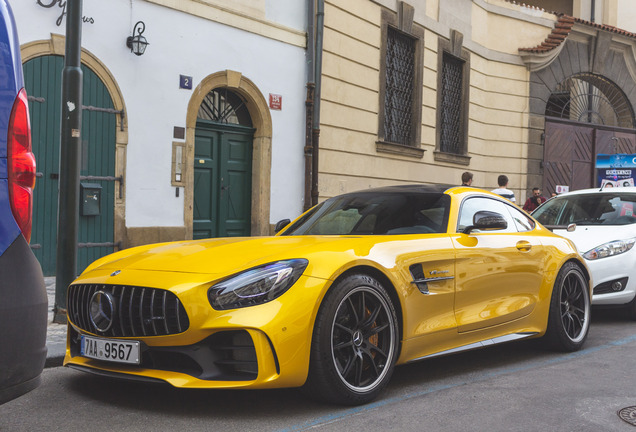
[(503, 190), (467, 178), (535, 200)]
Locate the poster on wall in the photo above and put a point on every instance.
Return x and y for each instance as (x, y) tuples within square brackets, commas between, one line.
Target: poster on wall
[(616, 170)]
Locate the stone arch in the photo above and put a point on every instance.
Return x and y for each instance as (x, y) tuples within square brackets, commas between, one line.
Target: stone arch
[(573, 60), (262, 146), (56, 46), (604, 56)]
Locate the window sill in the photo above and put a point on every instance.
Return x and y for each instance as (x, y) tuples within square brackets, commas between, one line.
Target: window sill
[(399, 149), (452, 158)]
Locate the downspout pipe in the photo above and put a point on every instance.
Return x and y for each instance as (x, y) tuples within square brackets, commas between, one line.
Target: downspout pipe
[(309, 102), (320, 25)]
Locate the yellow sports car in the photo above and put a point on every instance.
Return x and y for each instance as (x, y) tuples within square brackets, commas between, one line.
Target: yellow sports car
[(358, 284)]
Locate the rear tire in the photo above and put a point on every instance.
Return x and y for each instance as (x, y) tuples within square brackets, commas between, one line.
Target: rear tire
[(355, 343), (569, 319)]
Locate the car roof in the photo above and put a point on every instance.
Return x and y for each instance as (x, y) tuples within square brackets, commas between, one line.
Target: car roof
[(598, 190), (408, 188)]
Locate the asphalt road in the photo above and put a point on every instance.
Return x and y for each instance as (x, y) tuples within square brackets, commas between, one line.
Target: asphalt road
[(513, 387)]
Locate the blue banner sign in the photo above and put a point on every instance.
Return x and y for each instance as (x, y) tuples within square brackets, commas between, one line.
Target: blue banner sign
[(616, 170)]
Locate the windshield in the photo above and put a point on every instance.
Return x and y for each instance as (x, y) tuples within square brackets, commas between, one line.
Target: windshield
[(376, 213), (588, 209)]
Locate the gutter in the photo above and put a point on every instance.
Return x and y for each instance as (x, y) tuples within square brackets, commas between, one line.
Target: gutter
[(320, 26), (315, 30)]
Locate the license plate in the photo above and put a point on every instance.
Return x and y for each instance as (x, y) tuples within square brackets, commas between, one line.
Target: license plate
[(114, 350)]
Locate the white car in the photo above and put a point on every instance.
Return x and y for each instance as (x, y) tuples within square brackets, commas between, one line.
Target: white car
[(602, 225)]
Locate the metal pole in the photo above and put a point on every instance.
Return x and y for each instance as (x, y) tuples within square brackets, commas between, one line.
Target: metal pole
[(68, 201)]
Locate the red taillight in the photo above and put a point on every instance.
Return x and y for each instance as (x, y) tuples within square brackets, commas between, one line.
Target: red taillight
[(21, 164)]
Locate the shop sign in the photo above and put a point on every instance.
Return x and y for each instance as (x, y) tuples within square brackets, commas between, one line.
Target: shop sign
[(617, 170), (61, 4)]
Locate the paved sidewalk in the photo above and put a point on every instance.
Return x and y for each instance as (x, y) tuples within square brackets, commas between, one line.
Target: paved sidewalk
[(56, 333)]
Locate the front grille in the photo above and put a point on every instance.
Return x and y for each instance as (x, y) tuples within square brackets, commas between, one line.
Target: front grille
[(137, 311), (609, 287)]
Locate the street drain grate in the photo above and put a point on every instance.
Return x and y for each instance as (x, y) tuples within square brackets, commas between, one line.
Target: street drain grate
[(629, 415)]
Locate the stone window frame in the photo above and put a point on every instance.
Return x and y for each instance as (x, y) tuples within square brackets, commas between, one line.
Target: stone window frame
[(453, 47), (402, 21)]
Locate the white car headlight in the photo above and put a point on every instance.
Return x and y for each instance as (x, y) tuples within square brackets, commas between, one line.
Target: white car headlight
[(612, 248), (256, 286)]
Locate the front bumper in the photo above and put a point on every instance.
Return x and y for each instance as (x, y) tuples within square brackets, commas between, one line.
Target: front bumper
[(606, 272), (265, 346)]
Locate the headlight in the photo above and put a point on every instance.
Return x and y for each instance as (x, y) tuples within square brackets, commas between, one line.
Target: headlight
[(256, 286), (612, 248)]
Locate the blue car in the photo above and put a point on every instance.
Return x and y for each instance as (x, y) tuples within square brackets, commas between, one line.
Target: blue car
[(23, 300)]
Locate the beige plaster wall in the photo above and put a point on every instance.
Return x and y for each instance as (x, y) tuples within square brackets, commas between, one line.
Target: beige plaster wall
[(506, 33), (498, 111)]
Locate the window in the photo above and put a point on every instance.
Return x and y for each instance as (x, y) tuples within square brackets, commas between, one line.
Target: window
[(401, 66), (400, 74), (453, 73), (366, 213), (522, 221), (470, 206), (224, 106), (451, 107), (588, 209)]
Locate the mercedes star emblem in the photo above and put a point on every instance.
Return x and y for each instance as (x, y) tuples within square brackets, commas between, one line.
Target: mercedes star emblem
[(102, 310)]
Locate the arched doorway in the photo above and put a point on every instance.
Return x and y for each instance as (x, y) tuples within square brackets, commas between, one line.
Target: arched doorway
[(222, 166), (255, 105), (586, 115), (43, 77), (99, 127)]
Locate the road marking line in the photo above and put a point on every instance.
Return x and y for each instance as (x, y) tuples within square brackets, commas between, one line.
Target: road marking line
[(330, 418)]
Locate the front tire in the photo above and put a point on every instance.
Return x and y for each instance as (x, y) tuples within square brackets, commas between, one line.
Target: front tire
[(355, 343), (569, 319)]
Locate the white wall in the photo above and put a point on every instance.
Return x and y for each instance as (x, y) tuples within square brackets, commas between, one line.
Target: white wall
[(185, 44)]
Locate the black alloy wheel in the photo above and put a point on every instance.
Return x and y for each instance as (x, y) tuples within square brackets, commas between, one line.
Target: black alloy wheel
[(569, 320), (355, 342)]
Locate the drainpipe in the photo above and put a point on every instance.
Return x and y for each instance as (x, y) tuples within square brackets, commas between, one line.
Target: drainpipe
[(320, 23), (592, 14), (309, 102)]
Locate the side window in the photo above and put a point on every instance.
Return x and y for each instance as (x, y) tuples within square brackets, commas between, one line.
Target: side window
[(522, 221), (470, 206)]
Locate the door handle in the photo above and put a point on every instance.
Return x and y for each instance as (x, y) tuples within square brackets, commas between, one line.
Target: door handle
[(524, 246)]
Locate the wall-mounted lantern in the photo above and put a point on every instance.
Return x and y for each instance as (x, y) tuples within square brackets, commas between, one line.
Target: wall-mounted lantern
[(137, 43)]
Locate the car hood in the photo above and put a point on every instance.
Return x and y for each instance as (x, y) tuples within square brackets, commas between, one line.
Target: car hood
[(225, 255), (588, 237)]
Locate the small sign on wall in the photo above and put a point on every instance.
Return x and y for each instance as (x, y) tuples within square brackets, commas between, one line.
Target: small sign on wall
[(562, 189), (185, 82), (275, 102)]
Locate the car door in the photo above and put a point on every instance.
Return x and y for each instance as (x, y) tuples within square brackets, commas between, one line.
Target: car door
[(498, 272)]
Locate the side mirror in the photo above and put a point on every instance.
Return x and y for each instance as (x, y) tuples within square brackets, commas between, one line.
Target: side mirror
[(281, 224), (487, 221)]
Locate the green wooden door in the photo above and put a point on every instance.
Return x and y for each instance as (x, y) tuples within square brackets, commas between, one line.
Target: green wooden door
[(222, 180), (43, 82)]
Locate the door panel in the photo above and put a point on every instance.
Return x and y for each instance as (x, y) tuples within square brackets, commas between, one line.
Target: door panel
[(205, 184), (570, 152), (43, 78), (564, 144), (498, 273), (611, 142), (223, 181)]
